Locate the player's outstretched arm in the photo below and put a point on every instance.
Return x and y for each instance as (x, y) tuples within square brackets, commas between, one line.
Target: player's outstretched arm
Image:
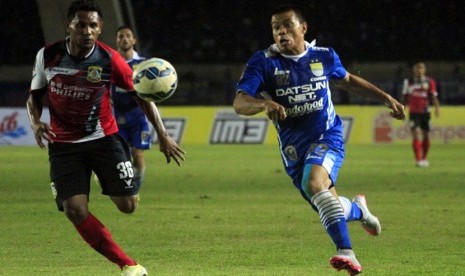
[(436, 105), (355, 84), (41, 130), (247, 105), (168, 146)]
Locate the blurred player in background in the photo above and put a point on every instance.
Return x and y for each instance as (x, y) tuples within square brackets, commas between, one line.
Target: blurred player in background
[(131, 120), (75, 75), (289, 82), (418, 92)]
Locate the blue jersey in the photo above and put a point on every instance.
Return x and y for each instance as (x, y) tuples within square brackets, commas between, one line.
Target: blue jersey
[(126, 109), (131, 120), (301, 85)]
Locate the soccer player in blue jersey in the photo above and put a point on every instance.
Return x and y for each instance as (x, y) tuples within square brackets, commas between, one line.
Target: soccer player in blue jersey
[(289, 82), (131, 120)]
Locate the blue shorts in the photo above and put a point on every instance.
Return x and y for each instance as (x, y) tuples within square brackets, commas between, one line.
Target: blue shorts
[(137, 135), (329, 155), (134, 128)]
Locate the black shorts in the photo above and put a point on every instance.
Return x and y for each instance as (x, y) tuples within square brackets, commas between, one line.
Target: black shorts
[(71, 166), (421, 120)]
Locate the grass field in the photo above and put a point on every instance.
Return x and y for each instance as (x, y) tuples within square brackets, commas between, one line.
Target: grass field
[(231, 210)]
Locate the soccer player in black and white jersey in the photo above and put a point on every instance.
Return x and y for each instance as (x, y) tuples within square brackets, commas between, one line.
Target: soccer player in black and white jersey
[(75, 75)]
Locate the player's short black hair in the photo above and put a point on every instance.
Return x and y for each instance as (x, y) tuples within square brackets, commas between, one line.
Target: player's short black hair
[(289, 7), (83, 5), (122, 27)]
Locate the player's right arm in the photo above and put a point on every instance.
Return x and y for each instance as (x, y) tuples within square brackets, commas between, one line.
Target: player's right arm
[(250, 83), (405, 93), (247, 105), (433, 96), (168, 145), (34, 103)]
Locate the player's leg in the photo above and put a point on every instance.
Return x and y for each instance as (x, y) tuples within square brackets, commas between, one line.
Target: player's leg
[(329, 208), (94, 232), (425, 128), (71, 179), (416, 145), (325, 199), (425, 147), (352, 211), (415, 129), (320, 171), (140, 140), (111, 163), (138, 161)]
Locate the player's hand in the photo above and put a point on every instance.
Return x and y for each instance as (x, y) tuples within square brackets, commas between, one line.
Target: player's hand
[(397, 108), (275, 111), (42, 131), (170, 149)]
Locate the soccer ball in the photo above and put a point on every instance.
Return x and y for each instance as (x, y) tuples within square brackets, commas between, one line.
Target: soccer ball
[(155, 79)]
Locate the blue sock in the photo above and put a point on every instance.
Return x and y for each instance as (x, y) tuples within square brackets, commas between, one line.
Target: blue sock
[(339, 234), (332, 217), (351, 210), (355, 213)]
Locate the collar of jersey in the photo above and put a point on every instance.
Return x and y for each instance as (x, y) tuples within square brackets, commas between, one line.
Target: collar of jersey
[(69, 52), (275, 48)]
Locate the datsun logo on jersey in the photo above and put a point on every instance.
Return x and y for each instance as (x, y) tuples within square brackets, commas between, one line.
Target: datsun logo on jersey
[(9, 128)]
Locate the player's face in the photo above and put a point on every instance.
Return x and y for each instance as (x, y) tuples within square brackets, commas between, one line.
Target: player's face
[(419, 70), (125, 40), (289, 33), (84, 30)]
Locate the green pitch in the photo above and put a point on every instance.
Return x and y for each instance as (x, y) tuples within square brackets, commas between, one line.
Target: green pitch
[(231, 210)]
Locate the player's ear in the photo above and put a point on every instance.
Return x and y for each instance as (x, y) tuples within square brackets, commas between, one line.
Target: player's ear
[(101, 26), (304, 28)]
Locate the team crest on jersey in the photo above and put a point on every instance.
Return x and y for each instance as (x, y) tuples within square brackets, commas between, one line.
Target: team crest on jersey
[(291, 153), (94, 73), (281, 76), (425, 85), (317, 68)]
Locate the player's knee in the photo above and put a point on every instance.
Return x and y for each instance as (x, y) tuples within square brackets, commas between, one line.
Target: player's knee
[(76, 214), (76, 209), (127, 206), (316, 185)]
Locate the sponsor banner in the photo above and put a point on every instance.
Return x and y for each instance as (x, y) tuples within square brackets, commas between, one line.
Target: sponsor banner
[(347, 122), (220, 125), (15, 128), (217, 125), (174, 126), (230, 128), (374, 125)]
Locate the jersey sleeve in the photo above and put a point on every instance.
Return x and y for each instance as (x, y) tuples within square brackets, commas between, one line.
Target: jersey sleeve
[(39, 79), (432, 87), (121, 73), (339, 72), (252, 78), (405, 87)]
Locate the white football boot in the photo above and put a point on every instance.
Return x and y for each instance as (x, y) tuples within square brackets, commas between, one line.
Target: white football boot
[(369, 222), (134, 270), (345, 259)]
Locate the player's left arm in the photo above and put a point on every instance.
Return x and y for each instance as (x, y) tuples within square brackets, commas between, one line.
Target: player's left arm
[(122, 77), (434, 98), (435, 101), (355, 84), (168, 146)]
